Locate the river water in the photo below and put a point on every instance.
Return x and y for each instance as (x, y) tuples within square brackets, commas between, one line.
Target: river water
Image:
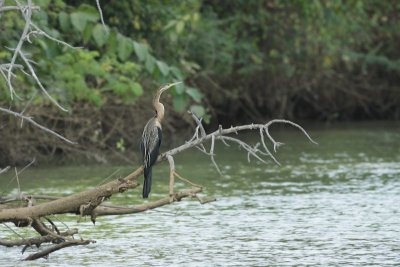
[(335, 204)]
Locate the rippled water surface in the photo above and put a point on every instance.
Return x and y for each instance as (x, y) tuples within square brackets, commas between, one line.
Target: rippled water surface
[(332, 204)]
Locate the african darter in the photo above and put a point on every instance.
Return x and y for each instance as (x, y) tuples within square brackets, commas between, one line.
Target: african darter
[(151, 139)]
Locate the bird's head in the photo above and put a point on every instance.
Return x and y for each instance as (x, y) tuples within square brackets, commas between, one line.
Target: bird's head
[(167, 86), (156, 102)]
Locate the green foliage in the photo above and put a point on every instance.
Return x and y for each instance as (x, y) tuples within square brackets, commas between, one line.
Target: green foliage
[(255, 54), (112, 66), (87, 79)]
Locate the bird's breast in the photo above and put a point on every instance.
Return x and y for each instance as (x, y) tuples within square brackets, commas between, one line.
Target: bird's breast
[(157, 123)]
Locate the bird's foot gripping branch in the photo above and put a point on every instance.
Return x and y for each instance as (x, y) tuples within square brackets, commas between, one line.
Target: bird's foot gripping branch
[(15, 213)]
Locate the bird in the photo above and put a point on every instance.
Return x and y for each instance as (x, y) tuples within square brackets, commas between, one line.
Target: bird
[(151, 139)]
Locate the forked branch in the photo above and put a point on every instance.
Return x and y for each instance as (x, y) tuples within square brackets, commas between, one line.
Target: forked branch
[(200, 137)]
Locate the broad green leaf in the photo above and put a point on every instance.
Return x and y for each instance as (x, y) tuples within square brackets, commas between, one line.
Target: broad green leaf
[(112, 43), (120, 88), (177, 73), (63, 20), (180, 88), (137, 89), (198, 110), (150, 63), (41, 18), (195, 17), (84, 14), (44, 2), (87, 33), (140, 51), (169, 25), (179, 26), (195, 94), (78, 21), (180, 102), (164, 69), (44, 46), (125, 47), (120, 145), (100, 35), (89, 12)]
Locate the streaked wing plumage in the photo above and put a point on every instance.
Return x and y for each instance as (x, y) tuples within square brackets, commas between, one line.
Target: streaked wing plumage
[(150, 142)]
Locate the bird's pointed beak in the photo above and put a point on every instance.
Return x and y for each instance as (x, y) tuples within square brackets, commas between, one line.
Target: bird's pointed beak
[(166, 87)]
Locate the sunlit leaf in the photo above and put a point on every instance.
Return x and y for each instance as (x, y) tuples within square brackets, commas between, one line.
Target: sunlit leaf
[(112, 43), (195, 17), (164, 69), (89, 12), (150, 63), (180, 102), (195, 94), (100, 35), (87, 33), (177, 73), (179, 26), (140, 51), (125, 47), (179, 88), (63, 20), (84, 14), (78, 21), (170, 24), (137, 89), (198, 110), (45, 2)]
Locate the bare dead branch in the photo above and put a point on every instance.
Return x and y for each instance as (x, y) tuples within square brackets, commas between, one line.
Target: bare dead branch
[(39, 31), (35, 240), (205, 200), (221, 134), (27, 14), (44, 253), (4, 170), (171, 176), (82, 203), (33, 73), (116, 210), (34, 123), (212, 155), (199, 123), (17, 8), (187, 180), (30, 29)]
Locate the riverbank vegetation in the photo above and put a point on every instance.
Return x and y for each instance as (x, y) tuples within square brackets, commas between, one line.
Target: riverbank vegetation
[(240, 60)]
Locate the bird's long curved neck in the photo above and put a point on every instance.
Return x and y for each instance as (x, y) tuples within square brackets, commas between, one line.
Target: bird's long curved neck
[(158, 106)]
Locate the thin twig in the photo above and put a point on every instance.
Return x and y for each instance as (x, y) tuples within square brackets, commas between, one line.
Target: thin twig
[(27, 17), (4, 170), (101, 15), (187, 180), (36, 78), (212, 155), (47, 251), (34, 123), (21, 171)]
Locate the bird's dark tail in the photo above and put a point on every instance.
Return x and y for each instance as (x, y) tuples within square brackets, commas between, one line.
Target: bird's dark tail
[(147, 182)]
